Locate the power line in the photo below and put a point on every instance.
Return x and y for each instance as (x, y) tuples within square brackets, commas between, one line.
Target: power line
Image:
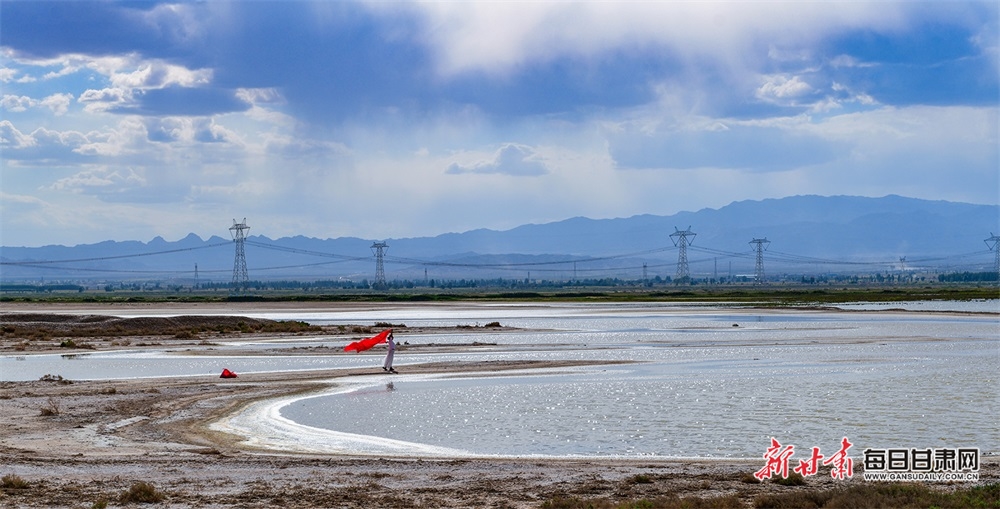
[(682, 239), (378, 249), (681, 242), (241, 280), (995, 247), (760, 245), (276, 247), (414, 261)]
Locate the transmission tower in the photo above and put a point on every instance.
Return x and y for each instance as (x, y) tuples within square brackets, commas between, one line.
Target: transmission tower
[(995, 247), (241, 280), (680, 239), (378, 249), (760, 246)]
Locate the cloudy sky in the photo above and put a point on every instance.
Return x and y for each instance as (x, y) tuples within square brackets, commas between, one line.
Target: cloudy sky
[(126, 121)]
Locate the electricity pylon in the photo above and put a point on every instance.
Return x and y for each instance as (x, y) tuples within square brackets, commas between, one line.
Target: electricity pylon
[(995, 247), (761, 246), (680, 239), (378, 249), (241, 280)]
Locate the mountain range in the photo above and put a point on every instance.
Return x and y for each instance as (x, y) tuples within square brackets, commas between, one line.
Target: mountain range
[(804, 234)]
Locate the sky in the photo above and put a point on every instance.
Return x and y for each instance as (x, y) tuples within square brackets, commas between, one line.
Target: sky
[(378, 120)]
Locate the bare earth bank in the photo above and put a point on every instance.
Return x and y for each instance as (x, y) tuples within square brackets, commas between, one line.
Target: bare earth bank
[(80, 444)]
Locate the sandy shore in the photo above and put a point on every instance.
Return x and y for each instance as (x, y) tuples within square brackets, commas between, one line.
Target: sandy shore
[(101, 437), (82, 443)]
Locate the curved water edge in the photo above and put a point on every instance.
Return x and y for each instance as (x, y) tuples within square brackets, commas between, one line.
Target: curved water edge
[(707, 382), (262, 425), (913, 395)]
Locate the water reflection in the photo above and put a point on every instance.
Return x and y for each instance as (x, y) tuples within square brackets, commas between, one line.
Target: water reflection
[(704, 381)]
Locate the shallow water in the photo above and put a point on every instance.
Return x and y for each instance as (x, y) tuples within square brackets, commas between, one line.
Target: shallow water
[(714, 402), (706, 381)]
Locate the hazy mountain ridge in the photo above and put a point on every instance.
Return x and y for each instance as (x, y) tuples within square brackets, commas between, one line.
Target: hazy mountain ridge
[(830, 228)]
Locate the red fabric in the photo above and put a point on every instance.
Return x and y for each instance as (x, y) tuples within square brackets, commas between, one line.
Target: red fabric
[(364, 344), (227, 374)]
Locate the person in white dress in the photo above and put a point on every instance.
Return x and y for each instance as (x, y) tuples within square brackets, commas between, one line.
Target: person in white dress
[(390, 350)]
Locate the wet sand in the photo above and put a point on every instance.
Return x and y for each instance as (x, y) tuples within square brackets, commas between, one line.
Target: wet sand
[(80, 443)]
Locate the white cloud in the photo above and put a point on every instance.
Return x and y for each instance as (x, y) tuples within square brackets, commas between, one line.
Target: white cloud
[(42, 145), (20, 199), (781, 88), (129, 137), (48, 137), (189, 130), (129, 69), (208, 131), (847, 61), (138, 184), (10, 137), (270, 118), (17, 103), (182, 23), (511, 159), (886, 128), (102, 178), (108, 65), (825, 105), (257, 96), (69, 63), (796, 54), (841, 95), (700, 122), (127, 76), (159, 74), (497, 37), (104, 99), (7, 74), (65, 71), (58, 103)]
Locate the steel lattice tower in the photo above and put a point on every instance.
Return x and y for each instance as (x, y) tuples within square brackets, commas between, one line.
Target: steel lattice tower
[(760, 246), (378, 249), (241, 280), (995, 247), (680, 239)]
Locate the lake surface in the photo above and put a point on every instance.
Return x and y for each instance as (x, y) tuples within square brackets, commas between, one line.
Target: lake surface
[(704, 381)]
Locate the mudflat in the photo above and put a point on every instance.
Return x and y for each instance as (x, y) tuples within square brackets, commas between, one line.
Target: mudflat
[(67, 443)]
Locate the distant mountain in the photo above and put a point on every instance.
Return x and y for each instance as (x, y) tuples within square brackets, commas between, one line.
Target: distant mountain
[(807, 234)]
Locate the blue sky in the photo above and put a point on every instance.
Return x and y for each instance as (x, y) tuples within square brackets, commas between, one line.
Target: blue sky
[(126, 121)]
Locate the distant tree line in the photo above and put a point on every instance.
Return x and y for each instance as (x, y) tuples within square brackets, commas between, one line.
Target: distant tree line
[(498, 283), (41, 288), (968, 277)]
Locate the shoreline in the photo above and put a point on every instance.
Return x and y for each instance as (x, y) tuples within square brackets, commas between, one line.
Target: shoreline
[(76, 443), (109, 435)]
